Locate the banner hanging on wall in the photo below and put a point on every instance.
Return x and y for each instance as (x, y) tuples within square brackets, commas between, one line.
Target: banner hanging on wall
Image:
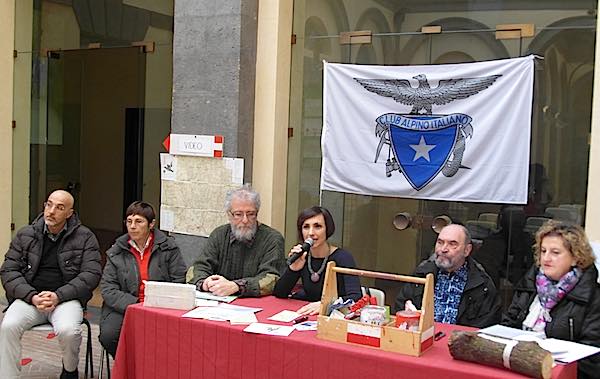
[(457, 132)]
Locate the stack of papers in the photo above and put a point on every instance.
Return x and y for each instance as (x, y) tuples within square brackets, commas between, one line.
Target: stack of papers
[(561, 350), (511, 333), (169, 295), (236, 314), (210, 296)]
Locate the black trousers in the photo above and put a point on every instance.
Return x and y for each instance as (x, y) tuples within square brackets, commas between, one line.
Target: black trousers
[(110, 329)]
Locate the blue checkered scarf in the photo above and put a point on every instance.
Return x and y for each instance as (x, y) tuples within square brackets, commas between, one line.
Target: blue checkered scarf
[(448, 292)]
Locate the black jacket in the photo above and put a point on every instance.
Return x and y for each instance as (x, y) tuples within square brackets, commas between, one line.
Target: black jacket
[(121, 278), (576, 317), (479, 305), (78, 259)]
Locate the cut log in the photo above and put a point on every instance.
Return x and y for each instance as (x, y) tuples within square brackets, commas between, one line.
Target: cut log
[(526, 358)]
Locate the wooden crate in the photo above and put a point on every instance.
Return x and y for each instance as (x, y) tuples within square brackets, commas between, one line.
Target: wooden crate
[(387, 337)]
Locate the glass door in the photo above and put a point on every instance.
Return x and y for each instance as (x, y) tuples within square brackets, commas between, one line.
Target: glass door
[(63, 133), (93, 141), (404, 33)]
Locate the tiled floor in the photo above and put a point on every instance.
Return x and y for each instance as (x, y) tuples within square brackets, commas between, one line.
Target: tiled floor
[(45, 353)]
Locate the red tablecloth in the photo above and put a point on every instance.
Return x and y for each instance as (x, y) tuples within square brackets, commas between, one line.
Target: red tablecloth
[(158, 343)]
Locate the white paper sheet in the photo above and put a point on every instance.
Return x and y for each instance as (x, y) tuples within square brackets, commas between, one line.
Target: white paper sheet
[(243, 318), (239, 308), (236, 165), (306, 326), (270, 329), (285, 316), (210, 296), (510, 333), (567, 351), (167, 220), (207, 313), (168, 167), (206, 303)]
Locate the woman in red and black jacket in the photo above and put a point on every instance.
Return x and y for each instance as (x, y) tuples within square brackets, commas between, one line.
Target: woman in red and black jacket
[(142, 254)]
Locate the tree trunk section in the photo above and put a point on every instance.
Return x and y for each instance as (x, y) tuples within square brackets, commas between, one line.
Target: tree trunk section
[(526, 358)]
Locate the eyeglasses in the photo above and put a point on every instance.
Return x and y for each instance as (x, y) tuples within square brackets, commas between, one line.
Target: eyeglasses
[(136, 221), (239, 215), (59, 207)]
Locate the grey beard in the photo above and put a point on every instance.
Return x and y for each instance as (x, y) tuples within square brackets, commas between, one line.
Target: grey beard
[(443, 264), (446, 264), (244, 235)]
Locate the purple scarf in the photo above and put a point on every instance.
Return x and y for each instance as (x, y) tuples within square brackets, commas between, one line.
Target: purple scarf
[(551, 292)]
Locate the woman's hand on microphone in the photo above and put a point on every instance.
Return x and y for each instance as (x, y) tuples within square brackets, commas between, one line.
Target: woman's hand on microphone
[(300, 262)]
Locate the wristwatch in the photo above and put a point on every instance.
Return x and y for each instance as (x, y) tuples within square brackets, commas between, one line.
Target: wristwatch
[(242, 284)]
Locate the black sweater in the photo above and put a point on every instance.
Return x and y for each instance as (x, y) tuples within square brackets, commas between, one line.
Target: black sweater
[(48, 276), (348, 286)]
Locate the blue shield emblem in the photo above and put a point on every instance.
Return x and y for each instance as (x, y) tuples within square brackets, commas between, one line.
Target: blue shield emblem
[(423, 144)]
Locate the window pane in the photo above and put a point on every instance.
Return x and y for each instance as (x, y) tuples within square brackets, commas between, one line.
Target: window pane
[(563, 34)]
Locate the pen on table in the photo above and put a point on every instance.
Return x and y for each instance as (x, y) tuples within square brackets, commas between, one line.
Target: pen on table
[(300, 319), (438, 336)]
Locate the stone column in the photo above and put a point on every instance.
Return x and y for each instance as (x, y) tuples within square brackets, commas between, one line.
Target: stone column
[(214, 57)]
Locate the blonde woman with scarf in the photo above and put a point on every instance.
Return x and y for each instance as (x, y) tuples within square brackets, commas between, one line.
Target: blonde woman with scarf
[(560, 295)]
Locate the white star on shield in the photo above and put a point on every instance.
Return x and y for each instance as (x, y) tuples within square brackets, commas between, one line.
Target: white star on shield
[(422, 150)]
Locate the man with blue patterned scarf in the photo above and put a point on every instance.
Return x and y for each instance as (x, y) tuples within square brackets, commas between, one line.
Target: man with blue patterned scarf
[(464, 293)]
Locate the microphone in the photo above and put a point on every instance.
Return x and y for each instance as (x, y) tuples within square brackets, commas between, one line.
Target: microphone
[(305, 247)]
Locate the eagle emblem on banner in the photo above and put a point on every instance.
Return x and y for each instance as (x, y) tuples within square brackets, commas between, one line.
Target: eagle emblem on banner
[(422, 144)]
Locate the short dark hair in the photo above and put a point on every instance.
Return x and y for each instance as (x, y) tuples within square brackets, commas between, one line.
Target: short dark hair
[(312, 212), (141, 208)]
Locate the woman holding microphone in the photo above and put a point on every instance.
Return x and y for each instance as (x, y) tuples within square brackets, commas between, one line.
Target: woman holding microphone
[(316, 224)]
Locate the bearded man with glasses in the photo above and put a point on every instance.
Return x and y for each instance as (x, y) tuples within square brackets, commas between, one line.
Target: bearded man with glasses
[(49, 272), (244, 257)]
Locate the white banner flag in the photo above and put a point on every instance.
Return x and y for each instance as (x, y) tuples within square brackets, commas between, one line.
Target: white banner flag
[(458, 132)]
